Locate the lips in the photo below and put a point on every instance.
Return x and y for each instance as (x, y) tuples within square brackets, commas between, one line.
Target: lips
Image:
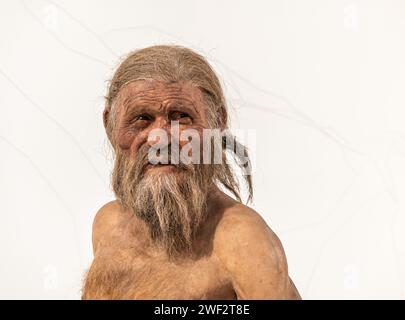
[(159, 166)]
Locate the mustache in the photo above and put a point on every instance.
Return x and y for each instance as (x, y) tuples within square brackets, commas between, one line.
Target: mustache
[(148, 155)]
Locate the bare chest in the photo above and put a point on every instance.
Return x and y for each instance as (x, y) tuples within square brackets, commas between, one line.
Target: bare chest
[(126, 273)]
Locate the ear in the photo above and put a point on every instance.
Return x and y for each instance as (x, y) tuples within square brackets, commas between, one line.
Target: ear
[(106, 115), (106, 120)]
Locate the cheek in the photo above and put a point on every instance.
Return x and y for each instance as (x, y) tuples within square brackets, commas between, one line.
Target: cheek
[(129, 141), (125, 139)]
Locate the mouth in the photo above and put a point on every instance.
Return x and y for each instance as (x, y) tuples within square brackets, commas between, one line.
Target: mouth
[(160, 167)]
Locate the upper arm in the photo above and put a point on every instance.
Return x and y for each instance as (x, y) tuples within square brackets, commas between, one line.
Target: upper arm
[(106, 217), (254, 258)]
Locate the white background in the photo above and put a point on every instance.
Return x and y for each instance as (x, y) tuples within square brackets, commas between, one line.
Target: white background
[(322, 82)]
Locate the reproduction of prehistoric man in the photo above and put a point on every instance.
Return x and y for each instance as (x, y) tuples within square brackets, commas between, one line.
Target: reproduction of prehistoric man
[(172, 233)]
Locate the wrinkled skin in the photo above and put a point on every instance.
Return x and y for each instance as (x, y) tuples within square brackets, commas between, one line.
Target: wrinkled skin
[(235, 254)]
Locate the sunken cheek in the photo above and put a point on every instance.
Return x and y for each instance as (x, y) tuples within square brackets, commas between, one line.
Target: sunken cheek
[(127, 139)]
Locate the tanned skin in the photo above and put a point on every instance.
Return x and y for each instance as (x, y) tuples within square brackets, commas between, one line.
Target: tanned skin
[(235, 255)]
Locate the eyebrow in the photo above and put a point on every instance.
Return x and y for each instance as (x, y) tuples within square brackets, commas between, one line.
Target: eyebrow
[(172, 104), (189, 106)]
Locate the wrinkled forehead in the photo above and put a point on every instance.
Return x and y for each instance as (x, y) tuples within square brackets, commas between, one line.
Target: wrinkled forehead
[(159, 91)]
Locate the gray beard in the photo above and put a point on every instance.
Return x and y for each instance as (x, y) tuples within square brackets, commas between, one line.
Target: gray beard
[(173, 204), (173, 209)]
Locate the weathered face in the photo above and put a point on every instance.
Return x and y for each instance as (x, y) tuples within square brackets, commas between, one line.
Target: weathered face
[(170, 198), (143, 106)]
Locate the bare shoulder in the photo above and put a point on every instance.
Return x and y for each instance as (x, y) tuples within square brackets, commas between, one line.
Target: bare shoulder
[(109, 213), (253, 255), (241, 227), (107, 217)]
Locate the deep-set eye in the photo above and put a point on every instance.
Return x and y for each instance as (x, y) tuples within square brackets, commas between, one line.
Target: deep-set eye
[(182, 117), (139, 120), (142, 117)]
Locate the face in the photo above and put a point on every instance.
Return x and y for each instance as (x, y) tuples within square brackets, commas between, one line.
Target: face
[(143, 106), (170, 198)]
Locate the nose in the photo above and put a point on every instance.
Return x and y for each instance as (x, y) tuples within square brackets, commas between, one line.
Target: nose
[(159, 133)]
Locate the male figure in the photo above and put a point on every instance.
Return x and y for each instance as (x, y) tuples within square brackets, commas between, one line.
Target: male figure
[(173, 233)]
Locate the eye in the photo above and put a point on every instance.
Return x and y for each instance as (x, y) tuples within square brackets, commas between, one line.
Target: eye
[(138, 120), (142, 117), (182, 117)]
